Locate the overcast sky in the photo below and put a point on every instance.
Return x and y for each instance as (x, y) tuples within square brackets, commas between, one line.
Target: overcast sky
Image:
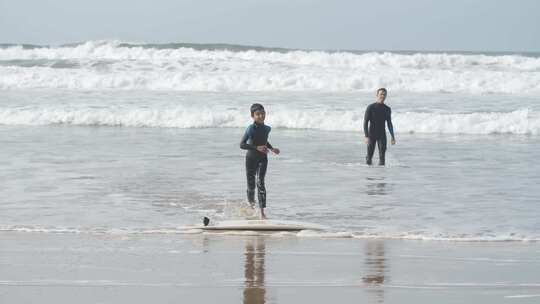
[(469, 25)]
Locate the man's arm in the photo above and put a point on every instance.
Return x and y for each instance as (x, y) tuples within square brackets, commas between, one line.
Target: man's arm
[(366, 121), (390, 125)]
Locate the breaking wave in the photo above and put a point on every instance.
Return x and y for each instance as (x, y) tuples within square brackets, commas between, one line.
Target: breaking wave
[(98, 65), (519, 121)]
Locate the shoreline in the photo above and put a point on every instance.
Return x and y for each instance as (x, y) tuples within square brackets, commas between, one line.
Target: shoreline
[(304, 234)]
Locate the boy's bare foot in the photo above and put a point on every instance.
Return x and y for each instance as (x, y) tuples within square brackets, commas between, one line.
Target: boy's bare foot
[(263, 216)]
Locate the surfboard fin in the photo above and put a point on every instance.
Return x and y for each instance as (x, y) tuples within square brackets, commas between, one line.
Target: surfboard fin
[(206, 221)]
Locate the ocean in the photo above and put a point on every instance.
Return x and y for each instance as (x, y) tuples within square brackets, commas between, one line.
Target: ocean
[(113, 138)]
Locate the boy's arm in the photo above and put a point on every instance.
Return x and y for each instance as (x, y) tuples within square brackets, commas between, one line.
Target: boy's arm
[(268, 144), (275, 150), (243, 143)]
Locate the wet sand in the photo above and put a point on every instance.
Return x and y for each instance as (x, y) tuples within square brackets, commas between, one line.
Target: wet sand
[(216, 268)]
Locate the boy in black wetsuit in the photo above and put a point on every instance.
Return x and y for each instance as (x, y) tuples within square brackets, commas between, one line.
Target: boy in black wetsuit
[(255, 141), (376, 114)]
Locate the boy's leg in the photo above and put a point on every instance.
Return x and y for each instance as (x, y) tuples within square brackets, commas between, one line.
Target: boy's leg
[(261, 189), (381, 143), (251, 169), (370, 150)]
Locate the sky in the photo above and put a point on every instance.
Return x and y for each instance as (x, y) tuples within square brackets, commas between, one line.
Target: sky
[(437, 25)]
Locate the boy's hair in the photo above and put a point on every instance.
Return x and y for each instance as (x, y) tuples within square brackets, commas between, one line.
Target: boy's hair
[(381, 89), (256, 107)]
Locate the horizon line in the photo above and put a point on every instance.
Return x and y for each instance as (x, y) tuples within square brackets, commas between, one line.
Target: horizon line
[(262, 47)]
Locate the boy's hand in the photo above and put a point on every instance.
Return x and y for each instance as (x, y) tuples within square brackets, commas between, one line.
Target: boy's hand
[(262, 149), (366, 139), (393, 141), (275, 150)]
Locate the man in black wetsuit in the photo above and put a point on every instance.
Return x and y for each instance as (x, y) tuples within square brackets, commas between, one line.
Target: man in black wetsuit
[(255, 141), (376, 115)]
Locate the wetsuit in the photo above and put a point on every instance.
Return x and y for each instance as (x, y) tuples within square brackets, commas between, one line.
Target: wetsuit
[(376, 115), (256, 162)]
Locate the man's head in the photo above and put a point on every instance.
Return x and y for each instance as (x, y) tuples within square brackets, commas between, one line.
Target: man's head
[(381, 95), (257, 113)]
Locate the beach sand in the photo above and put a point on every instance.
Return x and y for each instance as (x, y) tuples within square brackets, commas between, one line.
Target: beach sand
[(218, 268)]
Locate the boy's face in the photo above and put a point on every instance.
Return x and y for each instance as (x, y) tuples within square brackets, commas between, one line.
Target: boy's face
[(258, 116)]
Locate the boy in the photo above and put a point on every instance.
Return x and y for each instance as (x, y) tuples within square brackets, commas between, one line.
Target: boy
[(376, 115), (255, 141)]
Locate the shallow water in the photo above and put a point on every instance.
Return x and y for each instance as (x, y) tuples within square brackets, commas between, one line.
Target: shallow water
[(73, 178)]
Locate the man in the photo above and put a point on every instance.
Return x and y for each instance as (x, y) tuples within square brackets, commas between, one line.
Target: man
[(376, 114)]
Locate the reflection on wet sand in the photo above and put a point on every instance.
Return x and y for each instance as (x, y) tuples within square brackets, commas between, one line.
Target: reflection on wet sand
[(376, 269), (376, 186), (254, 271)]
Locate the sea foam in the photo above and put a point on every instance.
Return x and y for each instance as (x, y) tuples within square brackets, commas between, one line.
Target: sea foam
[(98, 65), (519, 121)]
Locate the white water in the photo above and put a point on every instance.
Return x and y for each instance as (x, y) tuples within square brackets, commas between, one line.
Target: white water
[(97, 65), (521, 121)]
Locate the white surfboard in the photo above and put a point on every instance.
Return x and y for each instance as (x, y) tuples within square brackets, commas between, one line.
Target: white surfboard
[(261, 225)]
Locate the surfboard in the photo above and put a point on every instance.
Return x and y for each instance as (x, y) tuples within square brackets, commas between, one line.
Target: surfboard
[(259, 225)]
